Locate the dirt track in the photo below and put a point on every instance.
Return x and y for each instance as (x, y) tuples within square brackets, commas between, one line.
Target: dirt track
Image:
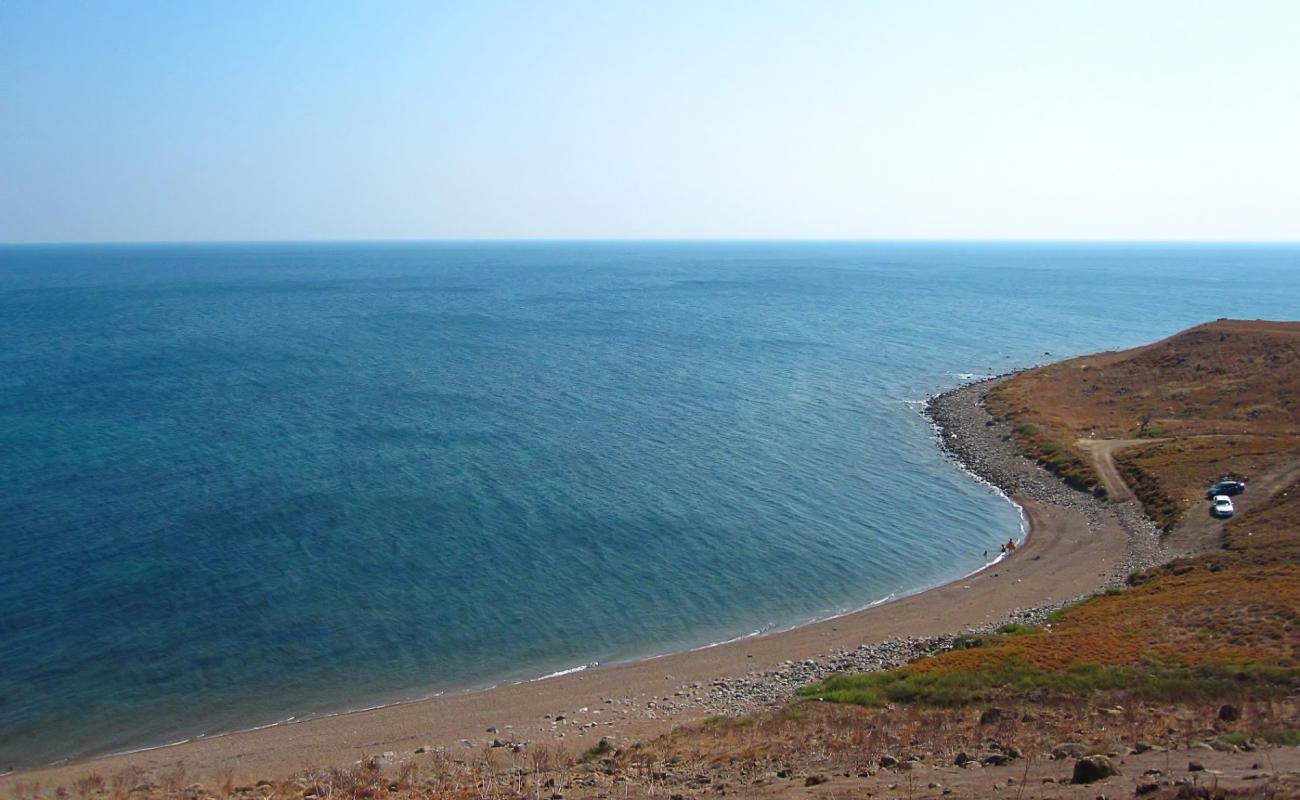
[(1102, 452)]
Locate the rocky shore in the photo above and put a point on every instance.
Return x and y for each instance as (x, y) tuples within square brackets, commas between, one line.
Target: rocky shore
[(982, 445)]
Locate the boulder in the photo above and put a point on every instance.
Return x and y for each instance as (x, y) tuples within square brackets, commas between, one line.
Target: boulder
[(1066, 750), (1229, 713), (991, 716), (1093, 768)]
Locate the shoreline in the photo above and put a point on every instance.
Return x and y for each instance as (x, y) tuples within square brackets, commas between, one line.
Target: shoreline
[(1061, 529)]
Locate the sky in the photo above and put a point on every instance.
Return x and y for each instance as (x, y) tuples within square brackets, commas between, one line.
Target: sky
[(915, 119)]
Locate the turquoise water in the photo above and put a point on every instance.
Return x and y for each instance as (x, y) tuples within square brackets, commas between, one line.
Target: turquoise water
[(240, 483)]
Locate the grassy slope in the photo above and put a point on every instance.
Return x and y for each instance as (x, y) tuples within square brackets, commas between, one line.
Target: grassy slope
[(1226, 393)]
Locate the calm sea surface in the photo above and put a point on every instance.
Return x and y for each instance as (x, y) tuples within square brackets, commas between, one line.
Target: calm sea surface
[(241, 483)]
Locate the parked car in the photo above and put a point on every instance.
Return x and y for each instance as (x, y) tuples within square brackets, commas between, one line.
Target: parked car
[(1222, 506), (1225, 487)]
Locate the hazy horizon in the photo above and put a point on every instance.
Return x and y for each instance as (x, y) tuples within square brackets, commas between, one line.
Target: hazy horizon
[(644, 240), (767, 121)]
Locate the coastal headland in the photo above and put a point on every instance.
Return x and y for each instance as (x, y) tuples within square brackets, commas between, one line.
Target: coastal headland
[(1082, 540)]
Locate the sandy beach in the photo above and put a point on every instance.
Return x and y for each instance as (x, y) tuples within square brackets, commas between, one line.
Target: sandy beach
[(1076, 546)]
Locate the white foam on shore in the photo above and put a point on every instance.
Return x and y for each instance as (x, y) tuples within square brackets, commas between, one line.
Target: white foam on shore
[(136, 750), (761, 631), (568, 671)]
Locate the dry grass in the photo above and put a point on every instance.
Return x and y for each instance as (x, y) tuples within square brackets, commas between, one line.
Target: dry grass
[(1225, 377), (767, 754), (1227, 392)]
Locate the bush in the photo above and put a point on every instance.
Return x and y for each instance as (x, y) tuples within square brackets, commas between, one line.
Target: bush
[(1288, 738), (603, 747), (1016, 629), (1027, 428)]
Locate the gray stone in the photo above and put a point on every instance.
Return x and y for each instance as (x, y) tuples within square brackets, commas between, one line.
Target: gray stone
[(991, 716), (1093, 768)]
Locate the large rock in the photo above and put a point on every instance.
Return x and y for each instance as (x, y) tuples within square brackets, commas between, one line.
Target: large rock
[(1093, 768)]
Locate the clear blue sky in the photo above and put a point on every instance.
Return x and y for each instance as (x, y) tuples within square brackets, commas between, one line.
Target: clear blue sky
[(280, 120)]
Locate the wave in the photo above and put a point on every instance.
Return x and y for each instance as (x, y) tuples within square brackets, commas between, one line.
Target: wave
[(568, 671)]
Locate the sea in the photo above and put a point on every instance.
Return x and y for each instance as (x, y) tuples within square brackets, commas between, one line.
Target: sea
[(248, 483)]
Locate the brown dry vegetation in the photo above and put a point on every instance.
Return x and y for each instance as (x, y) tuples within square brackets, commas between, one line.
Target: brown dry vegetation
[(838, 749), (1227, 393), (1187, 614)]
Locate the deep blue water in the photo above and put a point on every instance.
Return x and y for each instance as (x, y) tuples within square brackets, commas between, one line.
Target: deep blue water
[(240, 483)]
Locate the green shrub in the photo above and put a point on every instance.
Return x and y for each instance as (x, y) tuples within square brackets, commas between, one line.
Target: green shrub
[(961, 687), (1288, 738), (1016, 629), (603, 747), (1027, 428)]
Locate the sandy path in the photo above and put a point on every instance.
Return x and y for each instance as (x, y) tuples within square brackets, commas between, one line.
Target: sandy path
[(1061, 560), (1102, 452)]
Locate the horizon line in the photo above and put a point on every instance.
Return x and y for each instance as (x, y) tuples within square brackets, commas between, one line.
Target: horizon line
[(639, 240)]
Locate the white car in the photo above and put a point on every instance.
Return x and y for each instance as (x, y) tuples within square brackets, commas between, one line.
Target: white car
[(1222, 506)]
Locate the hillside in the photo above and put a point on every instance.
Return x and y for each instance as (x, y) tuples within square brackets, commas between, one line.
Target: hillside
[(1216, 400)]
